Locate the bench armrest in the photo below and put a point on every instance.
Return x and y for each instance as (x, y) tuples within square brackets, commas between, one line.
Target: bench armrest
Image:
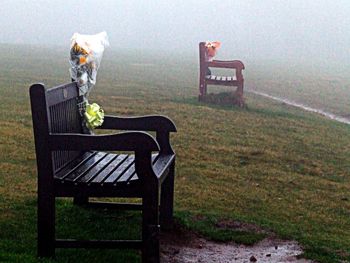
[(127, 141), (237, 64), (156, 123), (161, 124)]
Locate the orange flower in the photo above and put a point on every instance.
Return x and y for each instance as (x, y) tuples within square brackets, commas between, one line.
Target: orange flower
[(212, 48), (82, 60)]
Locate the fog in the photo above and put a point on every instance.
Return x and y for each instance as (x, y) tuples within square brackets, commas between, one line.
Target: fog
[(263, 29)]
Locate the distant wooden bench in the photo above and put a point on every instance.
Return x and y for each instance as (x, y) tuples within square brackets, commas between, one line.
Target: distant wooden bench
[(73, 164), (205, 77)]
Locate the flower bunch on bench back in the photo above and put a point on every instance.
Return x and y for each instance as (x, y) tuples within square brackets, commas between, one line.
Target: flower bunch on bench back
[(86, 52)]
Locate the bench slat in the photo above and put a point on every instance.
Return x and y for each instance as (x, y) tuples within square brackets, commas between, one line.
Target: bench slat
[(162, 164), (221, 78), (127, 175), (132, 175), (74, 164), (108, 168), (64, 118), (97, 168), (85, 167), (100, 178), (113, 178)]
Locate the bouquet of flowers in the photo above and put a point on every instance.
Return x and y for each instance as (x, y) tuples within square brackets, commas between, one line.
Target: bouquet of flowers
[(211, 48), (85, 57)]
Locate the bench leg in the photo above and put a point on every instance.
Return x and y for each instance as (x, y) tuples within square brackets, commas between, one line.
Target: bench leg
[(202, 88), (167, 200), (46, 225), (239, 95), (150, 226)]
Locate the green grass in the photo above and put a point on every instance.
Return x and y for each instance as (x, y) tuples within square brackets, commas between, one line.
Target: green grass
[(325, 86), (271, 165)]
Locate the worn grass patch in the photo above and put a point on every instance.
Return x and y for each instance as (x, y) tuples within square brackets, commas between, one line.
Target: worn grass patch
[(213, 228)]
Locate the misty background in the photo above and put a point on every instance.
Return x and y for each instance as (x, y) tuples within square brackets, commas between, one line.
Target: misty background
[(302, 30)]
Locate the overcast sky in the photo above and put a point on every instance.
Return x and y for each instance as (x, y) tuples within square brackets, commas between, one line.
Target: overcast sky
[(252, 28)]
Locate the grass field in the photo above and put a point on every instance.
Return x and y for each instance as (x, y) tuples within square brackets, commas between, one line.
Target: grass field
[(322, 86), (271, 165)]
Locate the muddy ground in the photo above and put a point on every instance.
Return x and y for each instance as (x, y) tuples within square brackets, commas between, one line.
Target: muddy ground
[(183, 246)]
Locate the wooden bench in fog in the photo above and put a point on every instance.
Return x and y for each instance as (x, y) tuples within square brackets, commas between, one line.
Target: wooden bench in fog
[(206, 78), (73, 164)]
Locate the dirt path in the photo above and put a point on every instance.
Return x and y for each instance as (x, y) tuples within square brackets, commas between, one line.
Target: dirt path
[(304, 107)]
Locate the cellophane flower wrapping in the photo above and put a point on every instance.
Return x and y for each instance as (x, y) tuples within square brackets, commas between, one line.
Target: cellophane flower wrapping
[(86, 52)]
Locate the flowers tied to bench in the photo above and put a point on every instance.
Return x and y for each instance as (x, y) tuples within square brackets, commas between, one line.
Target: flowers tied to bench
[(211, 49), (85, 57), (86, 52), (93, 115)]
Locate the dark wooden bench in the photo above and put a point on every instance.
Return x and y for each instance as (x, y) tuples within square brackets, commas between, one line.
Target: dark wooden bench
[(205, 78), (73, 164)]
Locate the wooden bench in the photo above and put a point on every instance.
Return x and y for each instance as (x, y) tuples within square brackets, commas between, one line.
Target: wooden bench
[(205, 77), (73, 164)]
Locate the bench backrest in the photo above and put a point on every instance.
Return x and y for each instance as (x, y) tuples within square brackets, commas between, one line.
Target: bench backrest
[(203, 57), (55, 110)]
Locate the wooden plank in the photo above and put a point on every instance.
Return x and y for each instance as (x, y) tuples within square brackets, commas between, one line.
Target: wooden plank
[(162, 164), (85, 167), (74, 165), (167, 199), (64, 118), (97, 168), (155, 157), (142, 123), (61, 93), (126, 175), (46, 198), (101, 177), (120, 170), (236, 64), (134, 176), (150, 221), (221, 78)]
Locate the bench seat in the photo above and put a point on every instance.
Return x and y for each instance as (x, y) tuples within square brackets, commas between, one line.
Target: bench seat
[(221, 78), (107, 169)]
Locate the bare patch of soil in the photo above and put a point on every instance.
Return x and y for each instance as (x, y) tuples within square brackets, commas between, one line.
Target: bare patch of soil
[(241, 226), (183, 246)]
